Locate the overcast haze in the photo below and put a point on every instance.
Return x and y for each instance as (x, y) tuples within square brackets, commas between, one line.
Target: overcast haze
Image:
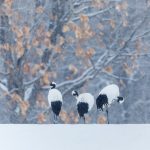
[(80, 44)]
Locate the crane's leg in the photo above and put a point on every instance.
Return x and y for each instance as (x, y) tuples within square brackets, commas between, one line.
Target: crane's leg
[(54, 119), (107, 114), (84, 119), (80, 118), (97, 114)]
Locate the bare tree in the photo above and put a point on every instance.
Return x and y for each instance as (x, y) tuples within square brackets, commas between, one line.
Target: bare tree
[(79, 44)]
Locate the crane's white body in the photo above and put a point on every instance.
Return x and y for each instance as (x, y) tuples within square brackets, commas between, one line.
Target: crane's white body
[(54, 95), (87, 98), (112, 92)]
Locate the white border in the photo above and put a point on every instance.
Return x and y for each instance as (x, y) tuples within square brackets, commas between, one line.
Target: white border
[(75, 137)]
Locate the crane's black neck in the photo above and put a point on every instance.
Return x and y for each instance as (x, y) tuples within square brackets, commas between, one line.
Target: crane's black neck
[(53, 86), (76, 94), (120, 98)]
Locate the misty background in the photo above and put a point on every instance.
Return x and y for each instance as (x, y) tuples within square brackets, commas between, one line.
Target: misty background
[(80, 44)]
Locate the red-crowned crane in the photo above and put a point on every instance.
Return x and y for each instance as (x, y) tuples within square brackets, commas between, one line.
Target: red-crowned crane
[(85, 102), (107, 96), (55, 100)]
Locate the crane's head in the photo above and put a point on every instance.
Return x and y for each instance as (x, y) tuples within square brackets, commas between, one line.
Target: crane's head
[(120, 100), (52, 85), (75, 93)]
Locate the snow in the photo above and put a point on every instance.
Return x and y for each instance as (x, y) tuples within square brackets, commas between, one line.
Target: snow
[(74, 137)]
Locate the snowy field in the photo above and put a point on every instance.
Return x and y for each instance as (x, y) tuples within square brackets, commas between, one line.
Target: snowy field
[(75, 137)]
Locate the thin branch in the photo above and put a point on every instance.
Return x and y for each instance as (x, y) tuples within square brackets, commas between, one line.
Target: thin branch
[(76, 4), (4, 73), (27, 83), (118, 77), (100, 64), (82, 77), (141, 35), (13, 90), (4, 87), (81, 9), (36, 78), (95, 13)]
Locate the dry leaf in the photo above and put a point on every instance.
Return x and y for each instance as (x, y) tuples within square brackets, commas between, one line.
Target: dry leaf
[(73, 69), (78, 33), (112, 23), (127, 69), (26, 68), (19, 48), (98, 3), (35, 69), (84, 18), (90, 52), (8, 3), (19, 33), (66, 28), (64, 117), (57, 49), (48, 34), (41, 118), (76, 119), (109, 69), (47, 42), (5, 46), (61, 41), (39, 9), (26, 31), (40, 102), (16, 97), (24, 105), (122, 6), (101, 120), (80, 52), (35, 42), (45, 79)]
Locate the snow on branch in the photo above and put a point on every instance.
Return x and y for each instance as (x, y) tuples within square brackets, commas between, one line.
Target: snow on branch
[(95, 13), (102, 62), (4, 73)]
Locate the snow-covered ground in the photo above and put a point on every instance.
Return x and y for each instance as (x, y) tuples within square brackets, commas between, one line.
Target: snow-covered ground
[(75, 137)]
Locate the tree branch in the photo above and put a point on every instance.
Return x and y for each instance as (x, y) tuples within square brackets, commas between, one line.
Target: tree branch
[(102, 62), (4, 73), (95, 13)]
